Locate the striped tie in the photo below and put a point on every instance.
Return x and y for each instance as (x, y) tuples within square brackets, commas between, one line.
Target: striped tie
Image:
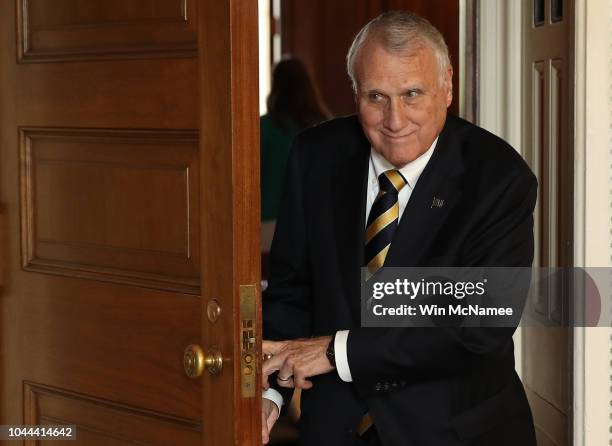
[(383, 219)]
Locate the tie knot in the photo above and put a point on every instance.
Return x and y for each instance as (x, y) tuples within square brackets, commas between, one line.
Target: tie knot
[(391, 181)]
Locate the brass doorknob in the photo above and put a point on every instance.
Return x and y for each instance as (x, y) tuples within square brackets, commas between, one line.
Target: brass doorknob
[(195, 361)]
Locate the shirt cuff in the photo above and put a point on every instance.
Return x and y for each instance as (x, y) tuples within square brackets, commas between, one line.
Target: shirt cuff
[(274, 396), (342, 365)]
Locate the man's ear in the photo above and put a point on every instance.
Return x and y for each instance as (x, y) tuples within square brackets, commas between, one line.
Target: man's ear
[(448, 85)]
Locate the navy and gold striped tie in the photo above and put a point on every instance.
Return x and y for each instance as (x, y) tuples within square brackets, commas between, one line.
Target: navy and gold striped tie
[(383, 219)]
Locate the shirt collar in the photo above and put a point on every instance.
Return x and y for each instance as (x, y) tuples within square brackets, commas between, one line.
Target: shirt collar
[(411, 171)]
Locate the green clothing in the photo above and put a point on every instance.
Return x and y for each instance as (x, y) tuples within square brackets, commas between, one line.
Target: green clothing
[(275, 144)]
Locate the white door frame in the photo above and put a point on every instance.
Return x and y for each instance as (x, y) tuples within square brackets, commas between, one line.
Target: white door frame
[(593, 212)]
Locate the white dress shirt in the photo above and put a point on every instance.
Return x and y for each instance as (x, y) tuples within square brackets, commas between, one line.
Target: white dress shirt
[(378, 164), (411, 172)]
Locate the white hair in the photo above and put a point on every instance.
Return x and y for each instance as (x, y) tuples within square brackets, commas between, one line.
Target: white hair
[(399, 32)]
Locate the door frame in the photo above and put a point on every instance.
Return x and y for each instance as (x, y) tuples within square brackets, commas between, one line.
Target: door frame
[(593, 136)]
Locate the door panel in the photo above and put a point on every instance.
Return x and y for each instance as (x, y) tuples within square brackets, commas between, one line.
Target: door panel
[(547, 143), (101, 422), (114, 244), (77, 30), (72, 178)]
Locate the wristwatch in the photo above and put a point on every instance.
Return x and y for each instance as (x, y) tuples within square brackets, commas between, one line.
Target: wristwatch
[(331, 353)]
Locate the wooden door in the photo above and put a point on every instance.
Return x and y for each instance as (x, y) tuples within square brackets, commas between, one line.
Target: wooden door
[(547, 77), (129, 218)]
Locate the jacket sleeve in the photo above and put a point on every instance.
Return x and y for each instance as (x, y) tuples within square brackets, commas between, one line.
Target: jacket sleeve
[(504, 239)]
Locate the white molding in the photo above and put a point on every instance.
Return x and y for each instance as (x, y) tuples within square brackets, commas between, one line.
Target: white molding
[(592, 92), (462, 56), (514, 69), (490, 53), (579, 393), (500, 89), (500, 65), (265, 70)]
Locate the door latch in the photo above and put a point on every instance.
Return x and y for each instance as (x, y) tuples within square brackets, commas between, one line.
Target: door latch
[(248, 317)]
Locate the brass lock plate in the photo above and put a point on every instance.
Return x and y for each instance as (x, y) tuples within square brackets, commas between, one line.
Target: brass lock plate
[(248, 365)]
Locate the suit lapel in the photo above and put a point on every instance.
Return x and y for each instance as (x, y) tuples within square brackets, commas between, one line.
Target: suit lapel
[(349, 201), (432, 199)]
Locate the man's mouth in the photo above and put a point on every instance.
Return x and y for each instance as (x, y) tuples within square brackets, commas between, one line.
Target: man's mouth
[(397, 137)]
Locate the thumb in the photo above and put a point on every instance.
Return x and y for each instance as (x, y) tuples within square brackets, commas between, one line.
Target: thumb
[(272, 417)]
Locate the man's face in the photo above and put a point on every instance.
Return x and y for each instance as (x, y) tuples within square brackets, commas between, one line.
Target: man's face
[(401, 101)]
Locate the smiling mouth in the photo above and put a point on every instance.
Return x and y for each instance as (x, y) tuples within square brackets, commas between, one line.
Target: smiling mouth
[(397, 137)]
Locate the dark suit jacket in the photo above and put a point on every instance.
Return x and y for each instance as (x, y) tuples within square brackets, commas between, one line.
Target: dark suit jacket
[(422, 386)]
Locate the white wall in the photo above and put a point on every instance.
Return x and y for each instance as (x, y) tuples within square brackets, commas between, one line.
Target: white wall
[(593, 209)]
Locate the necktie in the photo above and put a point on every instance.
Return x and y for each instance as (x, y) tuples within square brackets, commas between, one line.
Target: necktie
[(383, 219), (382, 223)]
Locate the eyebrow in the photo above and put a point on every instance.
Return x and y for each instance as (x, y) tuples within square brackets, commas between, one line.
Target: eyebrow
[(416, 88)]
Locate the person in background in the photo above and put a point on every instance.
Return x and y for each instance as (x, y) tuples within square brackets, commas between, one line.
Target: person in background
[(293, 105)]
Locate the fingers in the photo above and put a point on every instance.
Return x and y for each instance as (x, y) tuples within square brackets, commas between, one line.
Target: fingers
[(272, 347), (283, 363), (271, 420), (286, 368), (273, 364), (293, 374), (269, 415), (284, 382), (270, 366), (286, 371), (296, 361), (300, 382)]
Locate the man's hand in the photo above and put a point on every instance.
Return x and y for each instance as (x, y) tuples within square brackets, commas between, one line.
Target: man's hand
[(269, 415), (296, 360)]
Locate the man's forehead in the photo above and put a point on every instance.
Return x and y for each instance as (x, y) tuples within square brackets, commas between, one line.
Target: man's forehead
[(408, 68), (416, 48), (410, 60)]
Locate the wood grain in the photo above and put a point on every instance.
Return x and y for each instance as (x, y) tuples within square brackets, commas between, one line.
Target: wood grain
[(114, 205), (229, 150), (115, 169), (70, 30)]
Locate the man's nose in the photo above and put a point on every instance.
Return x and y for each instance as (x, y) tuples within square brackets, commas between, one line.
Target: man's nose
[(394, 115)]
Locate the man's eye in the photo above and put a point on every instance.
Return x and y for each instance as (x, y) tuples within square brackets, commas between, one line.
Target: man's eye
[(412, 93), (375, 97)]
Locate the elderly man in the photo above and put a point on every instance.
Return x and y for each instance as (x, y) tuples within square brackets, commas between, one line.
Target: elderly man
[(401, 184)]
